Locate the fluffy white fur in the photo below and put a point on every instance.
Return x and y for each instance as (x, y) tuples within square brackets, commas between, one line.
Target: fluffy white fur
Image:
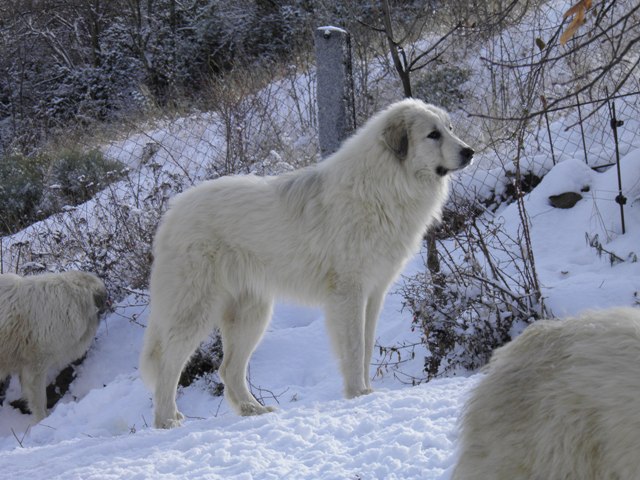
[(46, 322), (335, 234), (561, 402)]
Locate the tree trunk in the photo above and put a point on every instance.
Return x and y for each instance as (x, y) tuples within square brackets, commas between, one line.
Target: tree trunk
[(402, 67), (399, 63)]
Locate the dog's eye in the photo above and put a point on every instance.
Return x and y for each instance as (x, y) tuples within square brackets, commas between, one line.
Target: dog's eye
[(435, 135)]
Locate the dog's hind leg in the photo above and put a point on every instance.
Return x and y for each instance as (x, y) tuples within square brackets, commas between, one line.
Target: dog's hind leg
[(242, 327), (173, 351)]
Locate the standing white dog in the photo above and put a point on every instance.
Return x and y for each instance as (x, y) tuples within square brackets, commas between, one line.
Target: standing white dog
[(335, 234), (46, 322), (560, 402)]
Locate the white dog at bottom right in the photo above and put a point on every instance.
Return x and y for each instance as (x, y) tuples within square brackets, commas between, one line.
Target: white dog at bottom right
[(561, 402)]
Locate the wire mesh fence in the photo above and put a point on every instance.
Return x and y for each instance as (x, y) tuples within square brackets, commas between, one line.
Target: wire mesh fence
[(523, 100)]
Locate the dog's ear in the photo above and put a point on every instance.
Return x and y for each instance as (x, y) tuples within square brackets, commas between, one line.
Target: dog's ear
[(101, 301), (396, 137)]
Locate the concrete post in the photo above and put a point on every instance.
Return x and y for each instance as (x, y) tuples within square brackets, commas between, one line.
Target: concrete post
[(336, 106)]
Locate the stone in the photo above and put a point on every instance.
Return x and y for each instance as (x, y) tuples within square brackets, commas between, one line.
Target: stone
[(565, 200)]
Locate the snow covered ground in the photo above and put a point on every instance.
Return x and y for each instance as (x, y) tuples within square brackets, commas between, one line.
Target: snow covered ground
[(100, 430)]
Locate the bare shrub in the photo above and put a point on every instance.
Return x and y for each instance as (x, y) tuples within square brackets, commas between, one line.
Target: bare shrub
[(484, 293), (252, 108), (204, 363)]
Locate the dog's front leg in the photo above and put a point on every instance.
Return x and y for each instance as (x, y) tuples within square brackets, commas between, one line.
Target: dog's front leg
[(345, 314), (33, 381)]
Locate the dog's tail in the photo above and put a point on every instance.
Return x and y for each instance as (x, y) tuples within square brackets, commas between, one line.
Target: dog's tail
[(150, 357)]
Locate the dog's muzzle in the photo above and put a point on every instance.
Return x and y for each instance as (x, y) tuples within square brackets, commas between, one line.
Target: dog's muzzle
[(466, 156)]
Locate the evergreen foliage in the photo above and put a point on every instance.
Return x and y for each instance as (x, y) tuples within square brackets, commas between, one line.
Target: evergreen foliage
[(32, 187)]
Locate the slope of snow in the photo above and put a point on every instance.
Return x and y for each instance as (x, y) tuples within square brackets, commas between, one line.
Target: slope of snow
[(389, 434), (573, 274), (100, 430)]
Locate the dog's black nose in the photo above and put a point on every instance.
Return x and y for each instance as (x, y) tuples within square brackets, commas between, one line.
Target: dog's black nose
[(467, 154)]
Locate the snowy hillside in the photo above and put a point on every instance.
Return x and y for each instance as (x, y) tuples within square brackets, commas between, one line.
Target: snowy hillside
[(101, 430)]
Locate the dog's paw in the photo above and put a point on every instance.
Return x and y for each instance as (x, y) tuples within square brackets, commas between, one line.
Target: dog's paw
[(169, 423), (358, 393), (248, 409)]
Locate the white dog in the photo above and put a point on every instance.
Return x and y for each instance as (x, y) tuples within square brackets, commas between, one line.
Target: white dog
[(335, 234), (46, 322), (562, 401)]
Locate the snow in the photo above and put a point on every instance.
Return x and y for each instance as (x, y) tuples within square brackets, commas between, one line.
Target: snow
[(573, 276), (327, 30), (333, 439), (397, 432), (101, 428)]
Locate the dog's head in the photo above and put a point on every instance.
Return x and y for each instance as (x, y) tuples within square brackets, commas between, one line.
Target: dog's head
[(94, 287), (102, 300), (421, 136)]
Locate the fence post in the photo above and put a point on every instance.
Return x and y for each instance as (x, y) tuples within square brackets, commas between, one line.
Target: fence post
[(336, 106), (620, 198), (546, 118), (584, 142)]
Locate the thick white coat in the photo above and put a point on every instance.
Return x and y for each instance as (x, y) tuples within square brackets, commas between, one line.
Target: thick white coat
[(335, 234), (561, 402), (46, 322)]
